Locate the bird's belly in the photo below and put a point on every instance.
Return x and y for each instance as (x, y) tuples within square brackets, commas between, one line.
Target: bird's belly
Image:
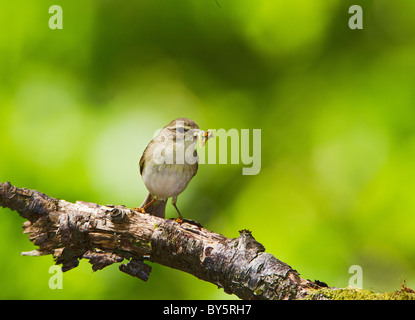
[(168, 180)]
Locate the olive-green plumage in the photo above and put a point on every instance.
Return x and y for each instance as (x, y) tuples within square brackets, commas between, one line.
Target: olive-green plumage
[(165, 170)]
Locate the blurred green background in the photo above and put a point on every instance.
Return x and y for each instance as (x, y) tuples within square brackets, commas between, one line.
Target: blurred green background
[(336, 108)]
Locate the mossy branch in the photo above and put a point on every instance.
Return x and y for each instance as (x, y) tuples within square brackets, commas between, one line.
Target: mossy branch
[(404, 293), (107, 234)]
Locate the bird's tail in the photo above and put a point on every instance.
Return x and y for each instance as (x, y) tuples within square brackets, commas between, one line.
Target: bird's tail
[(157, 208)]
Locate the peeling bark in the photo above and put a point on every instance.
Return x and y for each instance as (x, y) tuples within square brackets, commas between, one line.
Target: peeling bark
[(107, 234)]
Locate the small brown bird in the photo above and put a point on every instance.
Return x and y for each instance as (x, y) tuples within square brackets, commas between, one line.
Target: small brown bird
[(168, 164)]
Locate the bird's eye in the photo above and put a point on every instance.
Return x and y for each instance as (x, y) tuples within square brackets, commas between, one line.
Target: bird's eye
[(180, 129)]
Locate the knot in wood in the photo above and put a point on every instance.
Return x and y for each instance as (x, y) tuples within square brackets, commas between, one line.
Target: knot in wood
[(117, 214)]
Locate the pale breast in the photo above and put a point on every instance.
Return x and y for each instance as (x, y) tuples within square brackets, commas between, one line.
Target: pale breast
[(167, 180)]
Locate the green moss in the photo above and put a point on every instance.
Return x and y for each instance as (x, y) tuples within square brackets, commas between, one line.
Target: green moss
[(359, 294), (258, 292)]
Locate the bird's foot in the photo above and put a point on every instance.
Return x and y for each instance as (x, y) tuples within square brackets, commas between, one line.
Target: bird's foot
[(179, 219), (141, 210), (189, 221)]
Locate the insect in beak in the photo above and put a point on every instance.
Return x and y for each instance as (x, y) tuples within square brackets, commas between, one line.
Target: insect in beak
[(205, 135)]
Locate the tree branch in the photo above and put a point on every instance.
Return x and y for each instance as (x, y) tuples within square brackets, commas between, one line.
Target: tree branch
[(109, 234)]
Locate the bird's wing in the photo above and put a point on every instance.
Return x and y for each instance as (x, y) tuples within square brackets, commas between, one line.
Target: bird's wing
[(141, 163)]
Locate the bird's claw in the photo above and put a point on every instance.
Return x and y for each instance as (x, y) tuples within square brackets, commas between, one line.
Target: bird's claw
[(192, 222), (141, 210)]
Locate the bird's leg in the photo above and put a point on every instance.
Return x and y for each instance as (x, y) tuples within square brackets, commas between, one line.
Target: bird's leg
[(143, 209), (180, 219), (173, 202)]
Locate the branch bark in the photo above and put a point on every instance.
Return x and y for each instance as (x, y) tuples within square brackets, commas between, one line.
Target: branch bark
[(107, 234)]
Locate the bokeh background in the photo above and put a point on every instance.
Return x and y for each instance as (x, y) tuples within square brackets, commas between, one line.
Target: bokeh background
[(336, 108)]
